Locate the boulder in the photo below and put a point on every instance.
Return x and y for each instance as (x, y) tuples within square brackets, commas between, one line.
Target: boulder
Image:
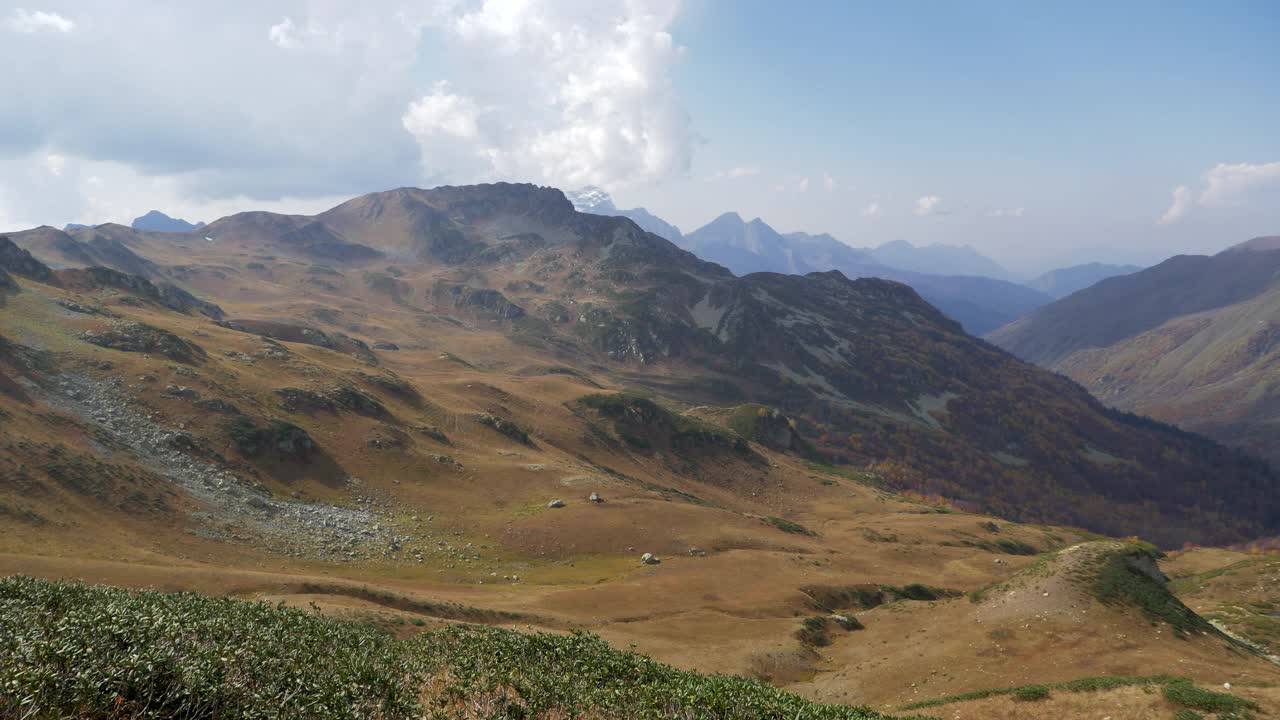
[(556, 504), (649, 559)]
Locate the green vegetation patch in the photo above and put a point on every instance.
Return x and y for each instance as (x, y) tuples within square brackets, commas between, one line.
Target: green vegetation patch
[(1183, 692), (1121, 581), (1004, 545), (643, 423), (69, 650), (834, 598), (1031, 693), (816, 630), (1088, 684), (788, 526)]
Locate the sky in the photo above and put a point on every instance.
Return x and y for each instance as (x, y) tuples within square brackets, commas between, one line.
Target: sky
[(1041, 134)]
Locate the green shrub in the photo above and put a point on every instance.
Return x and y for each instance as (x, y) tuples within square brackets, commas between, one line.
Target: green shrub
[(1183, 692), (1031, 692), (94, 652), (813, 631), (1119, 582), (1185, 714), (788, 526)]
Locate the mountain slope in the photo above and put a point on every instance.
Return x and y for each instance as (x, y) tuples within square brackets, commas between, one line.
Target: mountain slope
[(1120, 307), (872, 374), (1194, 341), (978, 303), (1064, 281)]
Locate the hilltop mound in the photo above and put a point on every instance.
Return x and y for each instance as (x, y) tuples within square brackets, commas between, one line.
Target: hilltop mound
[(1065, 584)]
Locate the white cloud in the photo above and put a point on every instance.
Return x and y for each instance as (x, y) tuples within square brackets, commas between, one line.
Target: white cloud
[(873, 210), (1228, 184), (802, 185), (58, 189), (25, 21), (55, 163), (284, 34), (1007, 213), (1182, 200), (325, 97), (1225, 185), (928, 205), (443, 113), (735, 173), (828, 182), (566, 92)]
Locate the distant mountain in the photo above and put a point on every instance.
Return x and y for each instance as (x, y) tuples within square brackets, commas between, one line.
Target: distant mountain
[(1194, 341), (105, 245), (75, 226), (596, 201), (980, 304), (744, 247), (159, 222), (1064, 281), (939, 260)]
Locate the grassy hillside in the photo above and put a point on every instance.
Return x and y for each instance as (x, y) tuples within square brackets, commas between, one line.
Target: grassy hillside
[(98, 652)]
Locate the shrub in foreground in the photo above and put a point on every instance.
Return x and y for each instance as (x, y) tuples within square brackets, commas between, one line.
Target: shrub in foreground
[(94, 653)]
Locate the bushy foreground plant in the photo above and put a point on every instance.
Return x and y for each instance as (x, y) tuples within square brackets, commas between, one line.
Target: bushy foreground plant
[(93, 652)]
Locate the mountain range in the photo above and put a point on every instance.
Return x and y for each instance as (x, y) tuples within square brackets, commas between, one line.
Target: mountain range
[(153, 220), (1194, 340), (868, 372), (1065, 281), (978, 302)]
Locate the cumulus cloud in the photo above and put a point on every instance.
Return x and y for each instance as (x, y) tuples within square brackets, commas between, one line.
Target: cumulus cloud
[(57, 189), (284, 34), (1182, 200), (803, 185), (25, 21), (828, 183), (873, 210), (740, 172), (569, 92), (1227, 184), (928, 205), (1006, 213), (323, 98), (1224, 185)]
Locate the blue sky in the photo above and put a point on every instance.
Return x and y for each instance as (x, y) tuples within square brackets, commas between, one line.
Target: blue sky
[(1083, 114), (1040, 133)]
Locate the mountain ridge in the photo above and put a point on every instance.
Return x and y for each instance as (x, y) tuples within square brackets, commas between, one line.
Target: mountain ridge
[(1191, 341), (874, 375)]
